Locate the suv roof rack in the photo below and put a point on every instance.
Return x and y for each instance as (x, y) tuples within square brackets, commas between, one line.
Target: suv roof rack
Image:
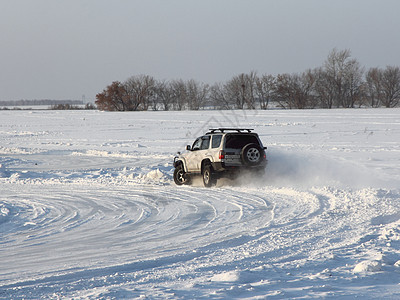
[(222, 130)]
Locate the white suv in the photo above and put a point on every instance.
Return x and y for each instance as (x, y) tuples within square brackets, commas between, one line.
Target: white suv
[(220, 152)]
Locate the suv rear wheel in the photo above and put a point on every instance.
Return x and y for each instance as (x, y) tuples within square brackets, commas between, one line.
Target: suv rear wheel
[(208, 176)]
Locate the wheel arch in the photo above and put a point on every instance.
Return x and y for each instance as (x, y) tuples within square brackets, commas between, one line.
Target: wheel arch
[(181, 161), (205, 162)]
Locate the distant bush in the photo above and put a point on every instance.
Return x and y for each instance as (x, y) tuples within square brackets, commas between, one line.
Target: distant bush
[(90, 106), (38, 102), (8, 108), (72, 107), (65, 107)]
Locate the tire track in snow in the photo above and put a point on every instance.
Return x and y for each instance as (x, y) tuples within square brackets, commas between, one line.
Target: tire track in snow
[(143, 235), (100, 224)]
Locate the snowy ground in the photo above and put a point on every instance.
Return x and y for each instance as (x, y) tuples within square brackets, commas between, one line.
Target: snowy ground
[(88, 207)]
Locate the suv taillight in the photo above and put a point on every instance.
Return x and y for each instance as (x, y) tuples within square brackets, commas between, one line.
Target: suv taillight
[(221, 154)]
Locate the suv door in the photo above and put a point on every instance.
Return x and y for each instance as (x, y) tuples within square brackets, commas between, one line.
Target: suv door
[(197, 153)]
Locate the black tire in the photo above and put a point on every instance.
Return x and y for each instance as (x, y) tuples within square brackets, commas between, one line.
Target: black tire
[(252, 155), (179, 175), (208, 176)]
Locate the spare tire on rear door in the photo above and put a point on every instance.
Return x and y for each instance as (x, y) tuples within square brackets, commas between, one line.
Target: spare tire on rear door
[(251, 154)]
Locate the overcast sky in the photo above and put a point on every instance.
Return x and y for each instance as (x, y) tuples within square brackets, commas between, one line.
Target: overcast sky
[(64, 49)]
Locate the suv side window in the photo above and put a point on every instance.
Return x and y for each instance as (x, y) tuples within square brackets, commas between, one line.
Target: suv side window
[(196, 144), (206, 142), (216, 141)]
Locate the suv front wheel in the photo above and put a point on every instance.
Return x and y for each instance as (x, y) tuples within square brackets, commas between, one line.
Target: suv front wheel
[(179, 175)]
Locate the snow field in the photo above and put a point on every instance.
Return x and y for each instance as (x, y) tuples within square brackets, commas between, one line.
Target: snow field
[(88, 207)]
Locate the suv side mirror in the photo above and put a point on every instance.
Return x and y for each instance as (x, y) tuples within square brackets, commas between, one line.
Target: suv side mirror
[(188, 147)]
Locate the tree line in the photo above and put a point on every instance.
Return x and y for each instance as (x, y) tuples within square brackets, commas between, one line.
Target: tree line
[(341, 82)]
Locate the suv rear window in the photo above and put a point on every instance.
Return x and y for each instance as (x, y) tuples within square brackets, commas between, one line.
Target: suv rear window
[(216, 141), (238, 141)]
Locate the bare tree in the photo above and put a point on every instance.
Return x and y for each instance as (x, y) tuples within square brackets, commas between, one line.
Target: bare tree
[(265, 86), (324, 89), (241, 89), (197, 94), (140, 90), (179, 94), (164, 94), (250, 89), (306, 90), (383, 86), (220, 97), (295, 91), (353, 84), (374, 86), (284, 93), (113, 98), (391, 86), (235, 91), (344, 75), (335, 66)]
